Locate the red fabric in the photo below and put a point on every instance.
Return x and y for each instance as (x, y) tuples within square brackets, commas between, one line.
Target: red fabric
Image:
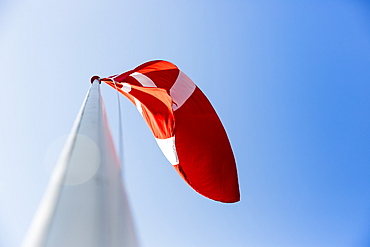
[(156, 108), (211, 168), (206, 160)]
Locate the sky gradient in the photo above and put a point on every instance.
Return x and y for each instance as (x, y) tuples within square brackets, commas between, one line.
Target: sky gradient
[(290, 81)]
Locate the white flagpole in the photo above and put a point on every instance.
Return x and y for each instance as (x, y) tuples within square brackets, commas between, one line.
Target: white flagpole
[(85, 204)]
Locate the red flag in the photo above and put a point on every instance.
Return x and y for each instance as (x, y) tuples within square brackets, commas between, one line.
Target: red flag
[(185, 125)]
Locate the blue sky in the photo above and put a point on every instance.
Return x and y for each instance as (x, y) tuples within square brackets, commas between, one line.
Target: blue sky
[(289, 80)]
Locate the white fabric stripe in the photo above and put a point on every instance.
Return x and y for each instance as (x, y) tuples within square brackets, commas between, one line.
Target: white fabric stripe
[(126, 87), (143, 79), (181, 90), (169, 149), (138, 106)]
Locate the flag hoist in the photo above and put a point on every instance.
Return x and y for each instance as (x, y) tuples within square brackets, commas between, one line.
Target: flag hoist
[(85, 204)]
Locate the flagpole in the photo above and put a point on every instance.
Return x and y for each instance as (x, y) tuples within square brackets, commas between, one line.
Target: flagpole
[(85, 204)]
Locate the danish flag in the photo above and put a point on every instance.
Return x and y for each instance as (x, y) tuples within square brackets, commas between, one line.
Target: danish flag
[(185, 126)]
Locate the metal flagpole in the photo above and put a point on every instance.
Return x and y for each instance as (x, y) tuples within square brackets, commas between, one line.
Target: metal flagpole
[(85, 204)]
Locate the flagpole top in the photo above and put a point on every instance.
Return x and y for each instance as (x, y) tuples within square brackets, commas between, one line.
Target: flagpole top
[(95, 77)]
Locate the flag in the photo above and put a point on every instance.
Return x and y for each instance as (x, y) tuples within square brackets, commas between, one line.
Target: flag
[(185, 126)]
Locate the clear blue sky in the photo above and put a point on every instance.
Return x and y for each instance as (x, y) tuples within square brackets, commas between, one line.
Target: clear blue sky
[(289, 79)]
